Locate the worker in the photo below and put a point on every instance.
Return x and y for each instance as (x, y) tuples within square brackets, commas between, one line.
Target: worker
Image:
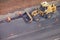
[(8, 19)]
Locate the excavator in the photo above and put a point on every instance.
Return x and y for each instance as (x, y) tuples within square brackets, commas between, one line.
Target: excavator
[(45, 10)]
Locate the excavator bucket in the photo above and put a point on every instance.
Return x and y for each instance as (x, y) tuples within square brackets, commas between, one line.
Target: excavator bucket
[(27, 17)]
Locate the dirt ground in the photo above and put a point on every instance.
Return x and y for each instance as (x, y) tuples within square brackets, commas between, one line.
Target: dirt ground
[(12, 5)]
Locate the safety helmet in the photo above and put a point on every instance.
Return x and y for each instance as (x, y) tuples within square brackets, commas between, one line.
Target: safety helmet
[(44, 4)]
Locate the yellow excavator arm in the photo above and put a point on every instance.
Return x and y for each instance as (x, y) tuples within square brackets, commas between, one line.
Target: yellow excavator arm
[(50, 8)]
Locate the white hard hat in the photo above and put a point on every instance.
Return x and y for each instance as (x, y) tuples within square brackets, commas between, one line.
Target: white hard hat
[(44, 4)]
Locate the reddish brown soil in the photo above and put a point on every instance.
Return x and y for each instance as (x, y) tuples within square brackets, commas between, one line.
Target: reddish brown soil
[(12, 5)]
